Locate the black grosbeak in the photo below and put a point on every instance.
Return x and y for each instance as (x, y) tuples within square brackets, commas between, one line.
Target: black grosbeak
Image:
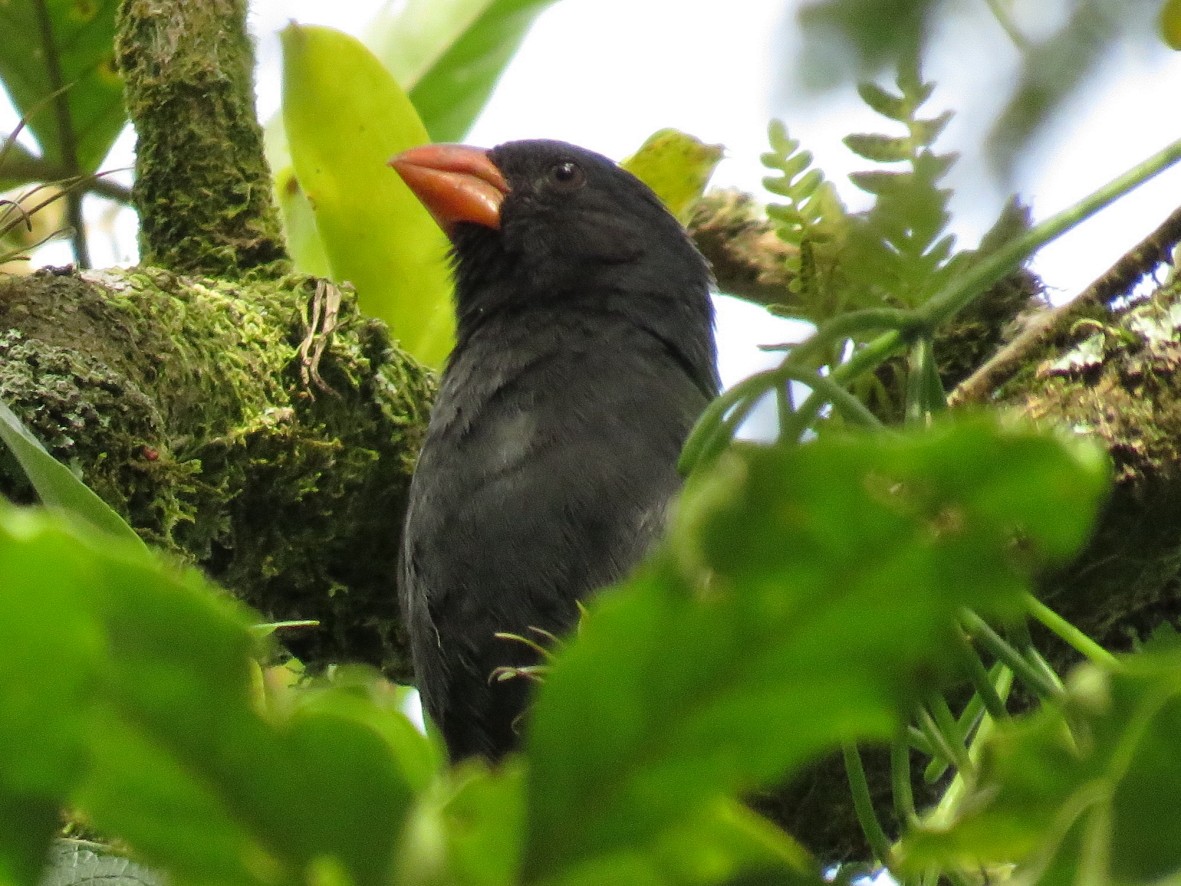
[(584, 354)]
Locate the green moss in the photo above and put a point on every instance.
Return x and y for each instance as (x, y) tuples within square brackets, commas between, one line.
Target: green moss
[(182, 403), (202, 185), (1113, 375)]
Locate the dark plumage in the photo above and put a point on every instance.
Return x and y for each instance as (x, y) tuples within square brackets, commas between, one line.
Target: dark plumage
[(584, 354)]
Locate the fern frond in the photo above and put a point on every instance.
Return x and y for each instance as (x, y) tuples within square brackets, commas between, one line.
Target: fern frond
[(810, 217), (900, 251)]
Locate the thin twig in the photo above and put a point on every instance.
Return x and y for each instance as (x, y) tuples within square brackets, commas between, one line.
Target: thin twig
[(1127, 271), (65, 134)]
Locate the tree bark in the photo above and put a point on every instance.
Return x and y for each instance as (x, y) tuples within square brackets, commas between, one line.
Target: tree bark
[(185, 403)]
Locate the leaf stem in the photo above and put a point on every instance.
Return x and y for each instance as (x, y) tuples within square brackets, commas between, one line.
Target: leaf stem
[(1026, 672), (1069, 634), (863, 805), (901, 789)]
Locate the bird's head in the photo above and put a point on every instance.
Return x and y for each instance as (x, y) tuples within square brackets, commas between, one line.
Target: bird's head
[(545, 219)]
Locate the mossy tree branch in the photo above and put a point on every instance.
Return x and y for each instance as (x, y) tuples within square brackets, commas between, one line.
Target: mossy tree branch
[(180, 390), (202, 183), (182, 403)]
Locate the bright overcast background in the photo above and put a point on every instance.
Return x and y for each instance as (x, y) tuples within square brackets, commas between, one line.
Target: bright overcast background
[(607, 73)]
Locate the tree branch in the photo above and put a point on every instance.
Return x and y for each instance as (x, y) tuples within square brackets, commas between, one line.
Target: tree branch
[(747, 256), (1153, 251), (203, 188), (65, 127), (183, 404)]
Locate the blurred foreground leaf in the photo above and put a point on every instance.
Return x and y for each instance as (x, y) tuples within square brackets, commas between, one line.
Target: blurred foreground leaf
[(807, 596), (125, 692), (1086, 794)]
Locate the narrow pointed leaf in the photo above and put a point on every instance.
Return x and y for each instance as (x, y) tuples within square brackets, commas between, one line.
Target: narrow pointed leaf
[(448, 54), (879, 148), (53, 45), (56, 485), (893, 107)]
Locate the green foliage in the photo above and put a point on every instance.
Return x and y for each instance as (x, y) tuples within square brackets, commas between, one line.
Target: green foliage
[(807, 598), (1082, 791), (63, 52), (893, 268), (813, 220), (374, 232), (846, 39), (448, 54), (748, 646), (1170, 23), (127, 692), (890, 279), (812, 596), (898, 253)]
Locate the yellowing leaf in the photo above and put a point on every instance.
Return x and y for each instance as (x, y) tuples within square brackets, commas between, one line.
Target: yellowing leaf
[(345, 117), (677, 167), (1170, 23)]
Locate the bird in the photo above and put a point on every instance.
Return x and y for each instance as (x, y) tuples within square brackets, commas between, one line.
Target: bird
[(584, 354)]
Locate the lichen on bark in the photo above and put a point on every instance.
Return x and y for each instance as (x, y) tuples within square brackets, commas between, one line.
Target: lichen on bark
[(1112, 375)]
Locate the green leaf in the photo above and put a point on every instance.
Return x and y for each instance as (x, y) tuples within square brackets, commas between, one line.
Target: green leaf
[(17, 165), (468, 829), (126, 692), (925, 132), (448, 54), (47, 684), (677, 167), (879, 148), (375, 233), (893, 107), (55, 484), (1083, 794), (51, 45), (299, 225), (1170, 23), (806, 596)]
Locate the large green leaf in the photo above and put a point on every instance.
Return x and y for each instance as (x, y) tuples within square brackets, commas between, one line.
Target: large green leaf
[(51, 44), (48, 647), (345, 117), (448, 54), (806, 597), (126, 691)]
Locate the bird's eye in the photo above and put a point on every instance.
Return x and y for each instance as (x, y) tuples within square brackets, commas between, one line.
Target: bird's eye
[(567, 176)]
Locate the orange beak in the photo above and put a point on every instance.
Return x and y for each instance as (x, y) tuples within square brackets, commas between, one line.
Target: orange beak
[(456, 183)]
